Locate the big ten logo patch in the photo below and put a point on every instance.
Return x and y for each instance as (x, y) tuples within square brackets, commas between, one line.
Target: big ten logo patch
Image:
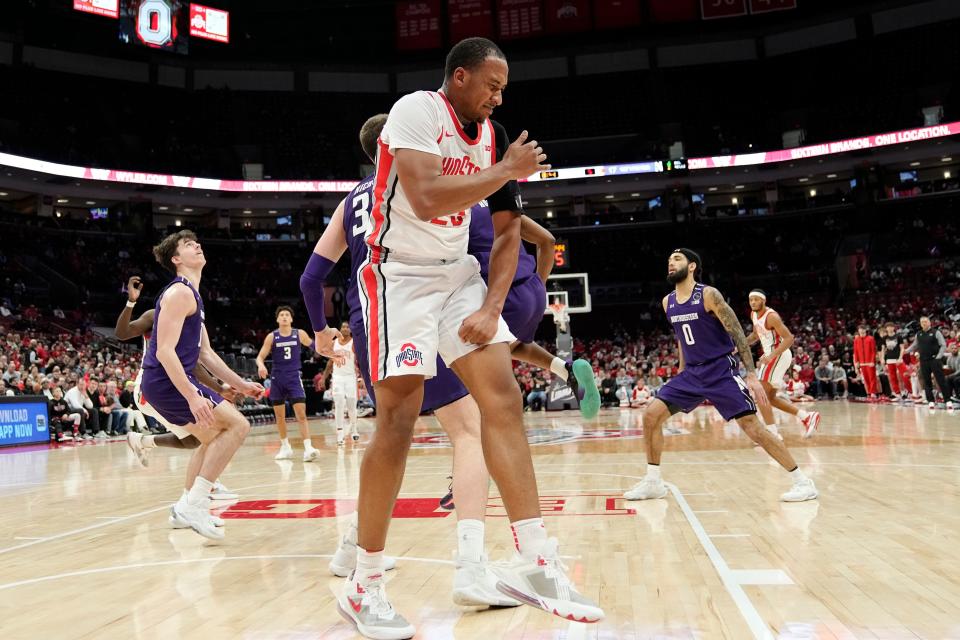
[(585, 504), (409, 355)]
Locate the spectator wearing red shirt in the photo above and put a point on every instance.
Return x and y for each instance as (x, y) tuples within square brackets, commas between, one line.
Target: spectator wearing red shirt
[(865, 360)]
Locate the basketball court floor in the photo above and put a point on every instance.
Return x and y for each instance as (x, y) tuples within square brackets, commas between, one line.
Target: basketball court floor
[(86, 551)]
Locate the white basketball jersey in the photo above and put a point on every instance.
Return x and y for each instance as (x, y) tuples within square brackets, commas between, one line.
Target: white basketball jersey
[(424, 121), (769, 339), (347, 370)]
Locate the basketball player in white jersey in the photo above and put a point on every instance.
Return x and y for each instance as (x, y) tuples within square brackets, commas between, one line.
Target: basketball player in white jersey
[(344, 383), (775, 340), (423, 296)]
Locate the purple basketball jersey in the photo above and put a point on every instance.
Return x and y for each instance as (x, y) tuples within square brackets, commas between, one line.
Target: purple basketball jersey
[(481, 243), (357, 226), (286, 351), (188, 346), (701, 335)]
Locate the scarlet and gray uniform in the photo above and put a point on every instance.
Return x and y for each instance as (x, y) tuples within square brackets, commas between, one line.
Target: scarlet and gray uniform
[(775, 370)]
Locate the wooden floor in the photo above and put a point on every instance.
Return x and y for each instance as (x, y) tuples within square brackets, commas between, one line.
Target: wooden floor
[(86, 551)]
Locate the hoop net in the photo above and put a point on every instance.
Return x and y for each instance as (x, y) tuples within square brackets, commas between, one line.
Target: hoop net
[(561, 317)]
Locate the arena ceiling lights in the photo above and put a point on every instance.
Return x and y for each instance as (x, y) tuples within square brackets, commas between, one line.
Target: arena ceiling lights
[(344, 186)]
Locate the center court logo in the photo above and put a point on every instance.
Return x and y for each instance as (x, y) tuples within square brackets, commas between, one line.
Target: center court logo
[(409, 355)]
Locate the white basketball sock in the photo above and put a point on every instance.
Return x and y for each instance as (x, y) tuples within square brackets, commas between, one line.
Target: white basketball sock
[(559, 367), (199, 494), (653, 471), (470, 540), (529, 536)]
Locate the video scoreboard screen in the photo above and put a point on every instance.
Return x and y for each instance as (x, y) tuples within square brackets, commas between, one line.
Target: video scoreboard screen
[(162, 24), (158, 24)]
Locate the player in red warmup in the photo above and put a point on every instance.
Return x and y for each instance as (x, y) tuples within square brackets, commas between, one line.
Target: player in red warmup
[(865, 360)]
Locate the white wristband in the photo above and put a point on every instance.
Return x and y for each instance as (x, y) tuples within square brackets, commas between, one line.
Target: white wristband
[(131, 304)]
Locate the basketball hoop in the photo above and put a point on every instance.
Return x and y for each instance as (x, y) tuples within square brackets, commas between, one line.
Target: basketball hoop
[(561, 317)]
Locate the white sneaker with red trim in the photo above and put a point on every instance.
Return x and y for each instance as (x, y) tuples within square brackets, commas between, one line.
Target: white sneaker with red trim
[(369, 610), (810, 424)]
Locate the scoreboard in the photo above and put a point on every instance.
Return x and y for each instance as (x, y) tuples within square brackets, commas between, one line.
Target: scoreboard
[(161, 24), (561, 254)]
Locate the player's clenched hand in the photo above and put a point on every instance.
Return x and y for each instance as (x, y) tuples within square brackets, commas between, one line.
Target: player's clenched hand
[(479, 327), (523, 158), (252, 389), (201, 409), (134, 287), (759, 395), (323, 341)]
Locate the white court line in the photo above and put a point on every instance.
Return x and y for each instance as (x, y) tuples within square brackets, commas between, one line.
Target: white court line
[(754, 621), (163, 563), (114, 520), (66, 534)]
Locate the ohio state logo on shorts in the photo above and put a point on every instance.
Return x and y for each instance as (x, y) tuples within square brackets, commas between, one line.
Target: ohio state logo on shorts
[(409, 355)]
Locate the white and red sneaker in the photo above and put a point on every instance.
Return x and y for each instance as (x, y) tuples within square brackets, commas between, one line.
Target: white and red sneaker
[(811, 423), (543, 583)]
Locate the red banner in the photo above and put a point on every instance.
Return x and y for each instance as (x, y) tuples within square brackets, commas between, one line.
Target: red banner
[(763, 6), (711, 9), (108, 8), (613, 14), (418, 25), (566, 16), (209, 23), (469, 18), (519, 18), (673, 10)]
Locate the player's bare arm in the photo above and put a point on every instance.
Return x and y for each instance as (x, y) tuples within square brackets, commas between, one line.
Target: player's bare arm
[(261, 356), (715, 304), (480, 326), (432, 194), (219, 368), (753, 338), (305, 338), (126, 328), (532, 232), (326, 373), (775, 322), (207, 379)]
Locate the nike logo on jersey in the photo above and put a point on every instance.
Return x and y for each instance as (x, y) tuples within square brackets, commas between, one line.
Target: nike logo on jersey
[(447, 134)]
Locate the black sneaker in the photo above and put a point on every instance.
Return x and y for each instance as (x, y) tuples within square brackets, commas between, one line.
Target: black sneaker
[(446, 502), (572, 381)]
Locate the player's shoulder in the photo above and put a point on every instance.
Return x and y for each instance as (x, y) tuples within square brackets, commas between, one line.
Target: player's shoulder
[(418, 100), (178, 293)]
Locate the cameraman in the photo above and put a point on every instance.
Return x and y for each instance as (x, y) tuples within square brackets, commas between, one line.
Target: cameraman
[(931, 347)]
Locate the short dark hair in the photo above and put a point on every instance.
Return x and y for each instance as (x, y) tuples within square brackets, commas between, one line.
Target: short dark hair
[(469, 53), (167, 248), (691, 256), (283, 307), (370, 133), (862, 326)]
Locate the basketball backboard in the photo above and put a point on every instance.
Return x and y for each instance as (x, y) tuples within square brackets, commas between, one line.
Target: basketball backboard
[(572, 289)]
